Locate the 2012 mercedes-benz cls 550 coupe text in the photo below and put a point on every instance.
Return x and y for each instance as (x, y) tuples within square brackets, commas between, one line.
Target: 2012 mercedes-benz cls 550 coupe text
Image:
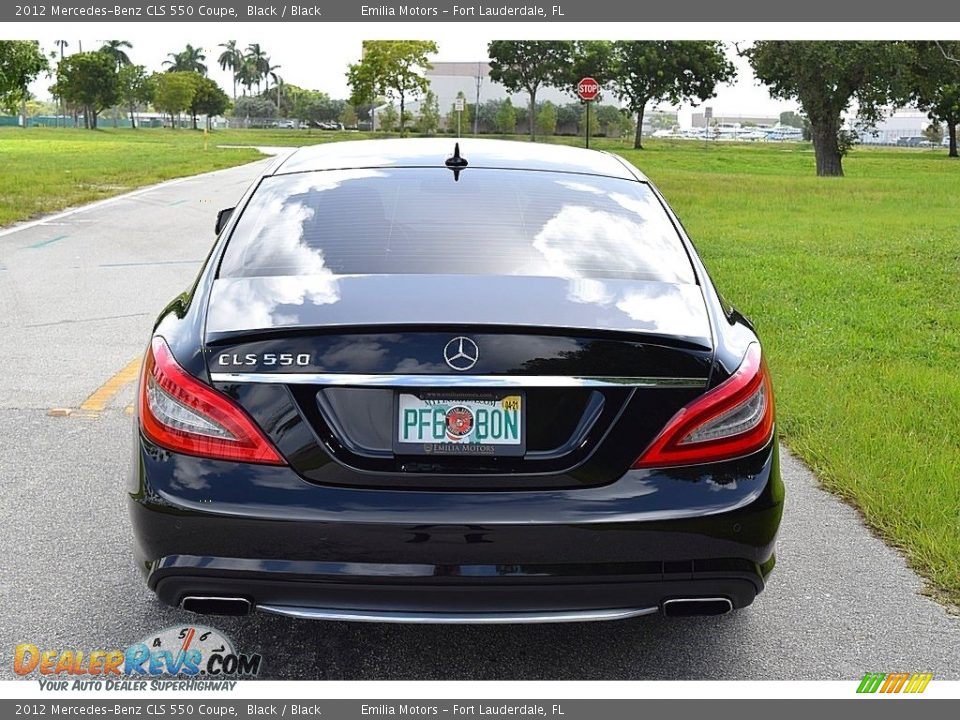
[(426, 383)]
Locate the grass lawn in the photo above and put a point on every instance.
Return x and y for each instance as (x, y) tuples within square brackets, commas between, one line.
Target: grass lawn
[(48, 169), (853, 283)]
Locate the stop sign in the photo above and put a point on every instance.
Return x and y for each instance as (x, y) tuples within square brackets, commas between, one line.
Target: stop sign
[(588, 89)]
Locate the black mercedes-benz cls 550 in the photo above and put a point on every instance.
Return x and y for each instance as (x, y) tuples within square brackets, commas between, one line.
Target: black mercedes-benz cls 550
[(422, 382)]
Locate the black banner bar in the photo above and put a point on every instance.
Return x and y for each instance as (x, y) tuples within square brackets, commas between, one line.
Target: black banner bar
[(511, 709), (556, 11)]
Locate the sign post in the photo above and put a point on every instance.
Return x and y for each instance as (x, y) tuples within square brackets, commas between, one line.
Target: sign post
[(588, 89), (458, 106)]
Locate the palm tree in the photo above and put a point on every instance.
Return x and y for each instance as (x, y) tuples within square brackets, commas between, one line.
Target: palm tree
[(231, 59), (115, 49), (62, 111), (271, 73), (247, 75), (259, 60), (190, 59), (278, 81)]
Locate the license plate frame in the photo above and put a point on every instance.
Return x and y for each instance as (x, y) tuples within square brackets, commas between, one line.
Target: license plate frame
[(460, 448)]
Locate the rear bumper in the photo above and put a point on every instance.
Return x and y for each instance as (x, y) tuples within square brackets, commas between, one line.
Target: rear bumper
[(318, 592), (210, 529)]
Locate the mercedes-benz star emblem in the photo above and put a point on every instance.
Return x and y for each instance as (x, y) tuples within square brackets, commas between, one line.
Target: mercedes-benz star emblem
[(461, 353)]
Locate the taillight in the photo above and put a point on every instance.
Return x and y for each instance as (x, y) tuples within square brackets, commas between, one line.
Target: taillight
[(732, 420), (180, 413)]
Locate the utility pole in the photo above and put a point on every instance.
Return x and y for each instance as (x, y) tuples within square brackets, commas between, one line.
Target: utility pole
[(476, 108)]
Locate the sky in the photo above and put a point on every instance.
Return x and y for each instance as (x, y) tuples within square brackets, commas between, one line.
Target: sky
[(315, 57)]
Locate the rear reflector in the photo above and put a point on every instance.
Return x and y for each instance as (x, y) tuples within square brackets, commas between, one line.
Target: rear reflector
[(730, 421), (181, 414)]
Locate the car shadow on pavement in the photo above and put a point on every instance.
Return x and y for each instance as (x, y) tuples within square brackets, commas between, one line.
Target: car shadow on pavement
[(650, 647)]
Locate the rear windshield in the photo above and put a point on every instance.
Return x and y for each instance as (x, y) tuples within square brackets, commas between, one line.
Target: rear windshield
[(489, 222)]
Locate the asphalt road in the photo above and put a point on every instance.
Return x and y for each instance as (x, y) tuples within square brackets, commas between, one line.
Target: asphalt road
[(79, 294)]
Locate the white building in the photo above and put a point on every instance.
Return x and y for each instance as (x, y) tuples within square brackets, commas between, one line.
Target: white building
[(908, 123), (447, 79)]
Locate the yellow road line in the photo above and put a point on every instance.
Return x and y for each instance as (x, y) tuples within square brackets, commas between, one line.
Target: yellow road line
[(102, 395)]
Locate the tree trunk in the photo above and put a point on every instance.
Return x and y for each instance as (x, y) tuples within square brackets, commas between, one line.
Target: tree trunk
[(133, 118), (826, 146), (952, 130), (401, 114), (638, 139), (193, 115), (533, 115)]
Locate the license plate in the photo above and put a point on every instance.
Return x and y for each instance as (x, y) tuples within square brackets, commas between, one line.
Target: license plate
[(451, 423)]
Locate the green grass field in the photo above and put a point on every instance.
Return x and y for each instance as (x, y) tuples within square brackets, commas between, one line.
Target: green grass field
[(48, 169), (853, 283)]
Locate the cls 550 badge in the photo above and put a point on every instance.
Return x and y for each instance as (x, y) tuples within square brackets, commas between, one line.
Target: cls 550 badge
[(264, 359)]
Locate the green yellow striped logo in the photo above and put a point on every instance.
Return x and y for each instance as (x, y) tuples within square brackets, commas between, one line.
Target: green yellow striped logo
[(894, 682)]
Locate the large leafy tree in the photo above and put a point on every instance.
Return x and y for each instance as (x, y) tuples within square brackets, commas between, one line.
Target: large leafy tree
[(826, 77), (593, 58), (135, 88), (21, 61), (935, 84), (654, 71), (208, 99), (393, 69), (313, 106), (89, 80), (528, 65), (117, 49), (254, 109), (174, 92), (190, 59)]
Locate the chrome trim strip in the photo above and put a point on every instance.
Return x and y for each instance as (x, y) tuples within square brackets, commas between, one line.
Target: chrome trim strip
[(481, 618), (456, 381)]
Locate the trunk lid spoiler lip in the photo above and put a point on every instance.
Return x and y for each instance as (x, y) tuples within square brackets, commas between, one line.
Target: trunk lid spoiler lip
[(665, 313)]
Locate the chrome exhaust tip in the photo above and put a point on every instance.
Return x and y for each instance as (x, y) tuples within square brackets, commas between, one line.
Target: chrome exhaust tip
[(696, 607), (212, 605)]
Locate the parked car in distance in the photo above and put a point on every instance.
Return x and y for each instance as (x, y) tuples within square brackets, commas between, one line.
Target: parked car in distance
[(911, 141)]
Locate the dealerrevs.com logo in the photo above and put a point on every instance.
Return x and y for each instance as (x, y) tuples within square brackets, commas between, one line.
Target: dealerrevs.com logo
[(201, 658)]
